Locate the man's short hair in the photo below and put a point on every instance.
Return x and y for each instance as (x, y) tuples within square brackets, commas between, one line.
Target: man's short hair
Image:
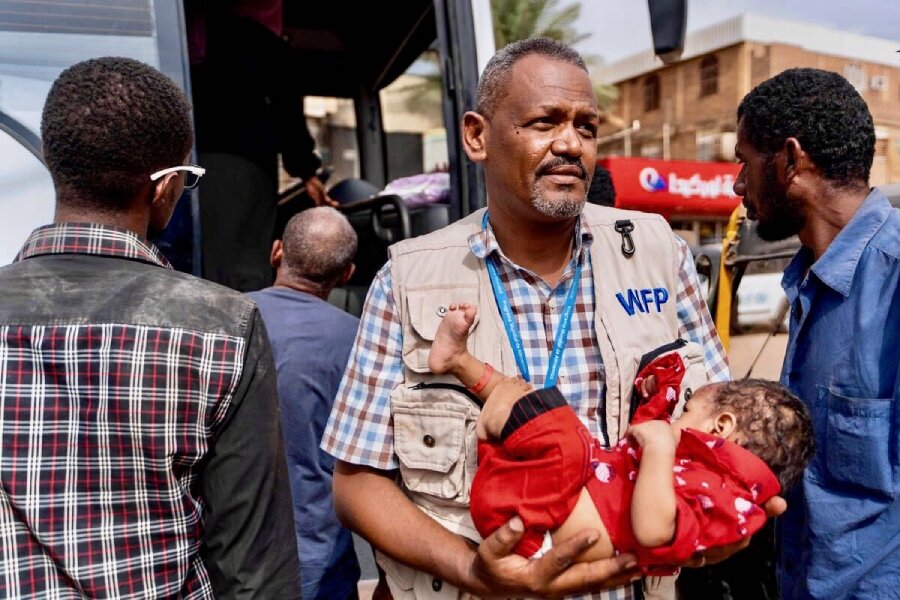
[(109, 123), (772, 423), (602, 191), (318, 244), (493, 83), (823, 111)]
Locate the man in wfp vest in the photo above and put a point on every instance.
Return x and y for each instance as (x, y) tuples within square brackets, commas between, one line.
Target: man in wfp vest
[(568, 295)]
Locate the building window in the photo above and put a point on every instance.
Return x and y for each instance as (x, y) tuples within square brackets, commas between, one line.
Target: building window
[(651, 93), (855, 73), (709, 76)]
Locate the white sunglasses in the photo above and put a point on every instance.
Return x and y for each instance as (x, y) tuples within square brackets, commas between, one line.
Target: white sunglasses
[(191, 179)]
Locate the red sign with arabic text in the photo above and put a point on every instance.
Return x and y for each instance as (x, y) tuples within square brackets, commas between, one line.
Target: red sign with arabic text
[(674, 188)]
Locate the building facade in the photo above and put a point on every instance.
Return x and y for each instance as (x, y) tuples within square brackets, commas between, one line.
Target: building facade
[(687, 110)]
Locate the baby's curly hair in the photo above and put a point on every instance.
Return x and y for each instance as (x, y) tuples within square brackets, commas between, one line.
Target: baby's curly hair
[(772, 423)]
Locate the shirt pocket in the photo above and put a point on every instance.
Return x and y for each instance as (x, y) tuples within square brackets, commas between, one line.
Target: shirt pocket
[(434, 443), (426, 308), (857, 441)]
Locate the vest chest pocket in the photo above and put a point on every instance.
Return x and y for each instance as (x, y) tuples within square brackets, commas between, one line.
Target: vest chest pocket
[(425, 309), (435, 444)]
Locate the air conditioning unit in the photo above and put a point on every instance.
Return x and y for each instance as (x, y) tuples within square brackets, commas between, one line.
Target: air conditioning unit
[(878, 83)]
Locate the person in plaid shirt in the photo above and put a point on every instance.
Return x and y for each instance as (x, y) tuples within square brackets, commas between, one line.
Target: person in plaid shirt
[(534, 132), (140, 443)]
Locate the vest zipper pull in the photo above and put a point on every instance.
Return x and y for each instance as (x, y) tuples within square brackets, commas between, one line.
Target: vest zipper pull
[(625, 228)]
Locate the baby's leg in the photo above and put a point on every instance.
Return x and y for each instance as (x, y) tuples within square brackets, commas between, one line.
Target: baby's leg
[(449, 355), (450, 343), (585, 516)]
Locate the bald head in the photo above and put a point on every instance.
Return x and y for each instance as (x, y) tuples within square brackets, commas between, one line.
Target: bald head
[(318, 245)]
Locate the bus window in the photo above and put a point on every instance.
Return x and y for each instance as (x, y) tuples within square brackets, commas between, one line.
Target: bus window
[(37, 41), (416, 138), (27, 198)]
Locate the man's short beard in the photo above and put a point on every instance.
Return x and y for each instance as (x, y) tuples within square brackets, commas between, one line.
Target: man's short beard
[(784, 217), (570, 206)]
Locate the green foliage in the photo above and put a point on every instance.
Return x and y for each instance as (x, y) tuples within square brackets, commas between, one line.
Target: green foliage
[(522, 19), (516, 20)]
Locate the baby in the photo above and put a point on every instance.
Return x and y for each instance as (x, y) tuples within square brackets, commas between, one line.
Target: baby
[(664, 492)]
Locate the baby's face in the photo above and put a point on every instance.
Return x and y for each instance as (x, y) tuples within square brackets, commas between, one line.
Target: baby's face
[(699, 412)]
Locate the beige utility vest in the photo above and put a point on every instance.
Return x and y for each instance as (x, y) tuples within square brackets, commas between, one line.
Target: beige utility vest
[(434, 428)]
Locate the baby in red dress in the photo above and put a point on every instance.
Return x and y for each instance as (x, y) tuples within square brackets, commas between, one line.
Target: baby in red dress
[(664, 492)]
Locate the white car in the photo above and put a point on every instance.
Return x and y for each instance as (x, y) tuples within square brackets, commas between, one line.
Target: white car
[(760, 297)]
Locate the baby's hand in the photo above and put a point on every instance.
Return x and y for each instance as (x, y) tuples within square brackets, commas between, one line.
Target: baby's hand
[(656, 435), (648, 386), (499, 404)]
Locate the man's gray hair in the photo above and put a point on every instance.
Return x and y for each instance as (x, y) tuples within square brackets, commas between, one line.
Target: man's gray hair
[(319, 243), (493, 83)]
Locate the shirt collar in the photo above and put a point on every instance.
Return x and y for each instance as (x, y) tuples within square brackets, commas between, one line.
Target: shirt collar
[(90, 238), (837, 266), (483, 243)]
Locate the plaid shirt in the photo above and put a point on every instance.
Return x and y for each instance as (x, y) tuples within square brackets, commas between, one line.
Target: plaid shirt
[(360, 430), (108, 419)]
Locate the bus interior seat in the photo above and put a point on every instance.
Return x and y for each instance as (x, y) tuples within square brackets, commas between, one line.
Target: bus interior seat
[(352, 190), (380, 221), (428, 218)]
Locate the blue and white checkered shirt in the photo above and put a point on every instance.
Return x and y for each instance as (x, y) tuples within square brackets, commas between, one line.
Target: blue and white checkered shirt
[(360, 429)]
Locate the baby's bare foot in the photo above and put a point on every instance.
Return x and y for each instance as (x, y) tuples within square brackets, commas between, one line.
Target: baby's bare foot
[(450, 338)]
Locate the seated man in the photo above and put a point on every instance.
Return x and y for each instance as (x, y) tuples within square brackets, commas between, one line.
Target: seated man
[(664, 492)]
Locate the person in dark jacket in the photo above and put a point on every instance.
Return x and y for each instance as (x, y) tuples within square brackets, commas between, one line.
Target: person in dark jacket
[(139, 424)]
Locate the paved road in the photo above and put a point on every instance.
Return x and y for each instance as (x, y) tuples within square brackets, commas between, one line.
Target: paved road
[(365, 557), (745, 348)]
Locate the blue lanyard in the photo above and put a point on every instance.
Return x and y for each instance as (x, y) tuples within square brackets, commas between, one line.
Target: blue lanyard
[(512, 331)]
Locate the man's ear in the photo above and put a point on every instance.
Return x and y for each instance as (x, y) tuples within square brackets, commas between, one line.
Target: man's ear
[(796, 160), (277, 254), (474, 126), (349, 270), (165, 191), (724, 424)]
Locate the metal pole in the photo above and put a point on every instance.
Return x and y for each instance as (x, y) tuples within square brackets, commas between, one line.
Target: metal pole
[(666, 131)]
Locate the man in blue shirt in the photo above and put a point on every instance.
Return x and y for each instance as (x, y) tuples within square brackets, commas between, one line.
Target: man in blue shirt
[(806, 142), (311, 341)]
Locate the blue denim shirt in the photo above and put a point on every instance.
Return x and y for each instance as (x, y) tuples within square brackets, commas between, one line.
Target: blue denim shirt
[(841, 535), (311, 343)]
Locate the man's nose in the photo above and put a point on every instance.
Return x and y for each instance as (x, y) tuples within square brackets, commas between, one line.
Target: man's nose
[(567, 142)]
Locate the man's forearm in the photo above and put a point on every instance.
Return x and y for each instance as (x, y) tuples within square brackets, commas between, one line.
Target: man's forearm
[(402, 531)]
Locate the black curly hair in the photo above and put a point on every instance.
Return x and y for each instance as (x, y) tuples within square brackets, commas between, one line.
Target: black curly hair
[(823, 111), (602, 190), (772, 423), (109, 123)]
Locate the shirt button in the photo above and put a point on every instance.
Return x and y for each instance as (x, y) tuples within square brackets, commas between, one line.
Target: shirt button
[(437, 584), (428, 441)]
